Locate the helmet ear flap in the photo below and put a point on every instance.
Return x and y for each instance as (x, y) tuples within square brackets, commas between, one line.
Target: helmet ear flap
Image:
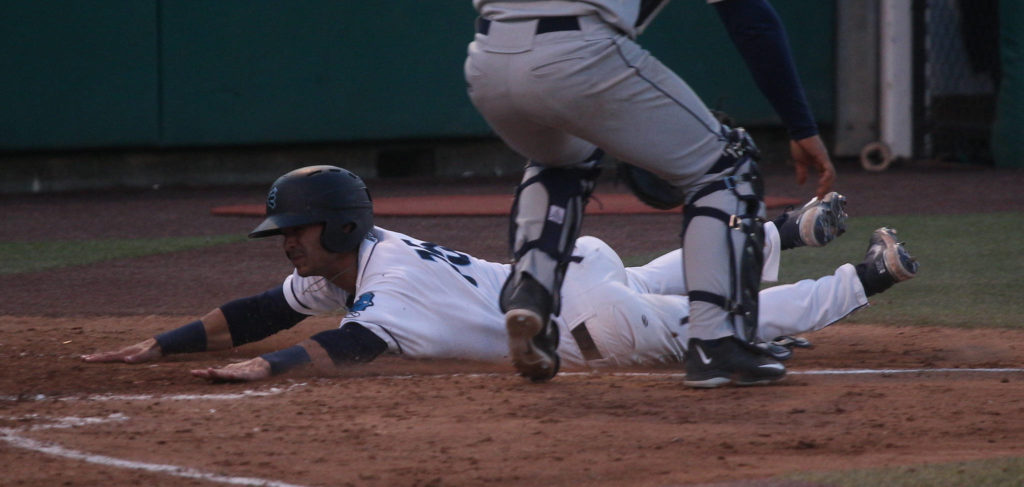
[(339, 237)]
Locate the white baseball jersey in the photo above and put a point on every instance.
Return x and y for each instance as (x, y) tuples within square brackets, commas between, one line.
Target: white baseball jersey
[(428, 301), (423, 299)]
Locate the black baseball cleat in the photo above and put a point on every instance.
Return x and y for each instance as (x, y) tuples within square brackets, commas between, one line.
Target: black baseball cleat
[(886, 262), (715, 363), (532, 337)]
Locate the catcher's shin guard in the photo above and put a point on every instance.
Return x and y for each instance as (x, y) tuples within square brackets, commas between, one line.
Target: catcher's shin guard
[(546, 218), (736, 202)]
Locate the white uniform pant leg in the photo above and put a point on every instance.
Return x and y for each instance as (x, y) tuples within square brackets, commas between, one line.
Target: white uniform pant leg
[(662, 275), (810, 304), (622, 326), (632, 328)]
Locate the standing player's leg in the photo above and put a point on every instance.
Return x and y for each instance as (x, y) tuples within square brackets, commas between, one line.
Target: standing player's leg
[(548, 207), (723, 238), (650, 117), (614, 95), (546, 218)]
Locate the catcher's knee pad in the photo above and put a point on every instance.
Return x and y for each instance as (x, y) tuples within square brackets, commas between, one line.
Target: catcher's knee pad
[(546, 219), (736, 200)]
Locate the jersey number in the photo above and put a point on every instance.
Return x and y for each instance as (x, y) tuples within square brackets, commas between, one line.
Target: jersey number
[(432, 252)]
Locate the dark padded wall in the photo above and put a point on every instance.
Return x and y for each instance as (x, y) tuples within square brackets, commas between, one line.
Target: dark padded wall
[(197, 73)]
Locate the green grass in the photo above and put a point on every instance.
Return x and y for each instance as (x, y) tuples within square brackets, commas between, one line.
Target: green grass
[(972, 269), (19, 257), (971, 275), (1002, 472)]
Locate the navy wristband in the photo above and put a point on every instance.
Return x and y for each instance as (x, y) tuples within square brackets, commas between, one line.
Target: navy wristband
[(284, 360), (186, 339)]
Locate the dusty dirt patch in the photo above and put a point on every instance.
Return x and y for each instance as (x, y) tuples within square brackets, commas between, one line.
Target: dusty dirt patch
[(402, 422)]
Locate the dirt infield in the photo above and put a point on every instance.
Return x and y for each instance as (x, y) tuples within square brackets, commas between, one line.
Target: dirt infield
[(867, 395)]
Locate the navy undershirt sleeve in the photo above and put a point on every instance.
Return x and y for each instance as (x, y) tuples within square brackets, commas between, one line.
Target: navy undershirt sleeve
[(757, 31), (257, 317), (350, 343)]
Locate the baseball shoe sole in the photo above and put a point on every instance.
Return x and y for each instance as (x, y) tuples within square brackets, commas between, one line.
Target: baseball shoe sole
[(888, 253), (524, 328), (819, 221)]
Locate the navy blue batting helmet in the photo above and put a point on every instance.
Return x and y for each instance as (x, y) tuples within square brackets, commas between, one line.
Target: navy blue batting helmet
[(320, 194)]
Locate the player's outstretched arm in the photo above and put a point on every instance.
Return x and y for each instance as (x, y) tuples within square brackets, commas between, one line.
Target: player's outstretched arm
[(352, 343), (209, 333), (144, 351), (235, 323)]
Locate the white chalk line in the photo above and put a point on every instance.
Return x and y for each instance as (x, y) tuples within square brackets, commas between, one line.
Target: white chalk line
[(822, 372), (681, 374), (273, 391), (11, 437)]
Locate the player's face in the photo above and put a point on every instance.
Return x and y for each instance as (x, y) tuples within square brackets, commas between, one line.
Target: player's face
[(310, 258)]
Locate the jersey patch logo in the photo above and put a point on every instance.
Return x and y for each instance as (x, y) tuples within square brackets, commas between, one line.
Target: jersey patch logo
[(365, 301)]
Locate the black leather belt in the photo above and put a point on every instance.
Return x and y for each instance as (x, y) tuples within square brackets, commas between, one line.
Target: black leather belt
[(544, 24)]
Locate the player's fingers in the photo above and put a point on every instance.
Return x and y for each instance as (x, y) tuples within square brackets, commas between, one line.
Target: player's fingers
[(801, 173), (825, 181), (116, 356), (201, 373), (225, 374), (799, 161), (214, 375)]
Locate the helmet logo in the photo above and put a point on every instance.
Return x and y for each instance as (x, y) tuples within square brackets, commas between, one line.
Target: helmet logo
[(272, 198)]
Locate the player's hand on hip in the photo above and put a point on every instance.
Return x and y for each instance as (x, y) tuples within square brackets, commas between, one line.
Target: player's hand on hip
[(810, 153), (250, 370), (144, 351)]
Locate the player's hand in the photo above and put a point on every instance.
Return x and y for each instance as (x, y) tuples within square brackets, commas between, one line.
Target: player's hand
[(144, 351), (810, 153), (250, 370)]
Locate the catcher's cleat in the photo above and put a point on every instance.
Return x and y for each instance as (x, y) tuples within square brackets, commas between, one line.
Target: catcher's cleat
[(815, 224), (885, 263), (532, 337), (714, 363)]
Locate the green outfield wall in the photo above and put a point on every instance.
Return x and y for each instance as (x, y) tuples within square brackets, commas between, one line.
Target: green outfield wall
[(1008, 130), (200, 73)]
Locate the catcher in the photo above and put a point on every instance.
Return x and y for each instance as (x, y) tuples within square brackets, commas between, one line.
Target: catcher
[(418, 299)]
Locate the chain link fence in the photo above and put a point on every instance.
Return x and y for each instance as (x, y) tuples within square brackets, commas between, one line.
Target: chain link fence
[(958, 74)]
